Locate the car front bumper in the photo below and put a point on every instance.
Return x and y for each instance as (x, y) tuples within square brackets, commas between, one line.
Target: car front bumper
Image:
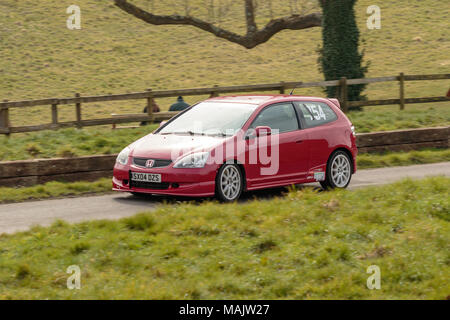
[(198, 182)]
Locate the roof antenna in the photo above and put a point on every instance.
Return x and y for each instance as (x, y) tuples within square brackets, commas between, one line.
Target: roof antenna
[(298, 85)]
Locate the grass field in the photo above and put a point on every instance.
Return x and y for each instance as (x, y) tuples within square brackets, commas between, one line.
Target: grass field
[(69, 142), (116, 53), (305, 245), (56, 189)]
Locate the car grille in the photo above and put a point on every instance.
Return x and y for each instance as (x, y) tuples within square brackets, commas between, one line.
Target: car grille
[(159, 163), (149, 185)]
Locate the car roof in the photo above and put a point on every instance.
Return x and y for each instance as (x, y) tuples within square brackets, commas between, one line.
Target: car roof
[(262, 99)]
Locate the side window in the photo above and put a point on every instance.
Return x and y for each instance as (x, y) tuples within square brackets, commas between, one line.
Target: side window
[(279, 116), (316, 113)]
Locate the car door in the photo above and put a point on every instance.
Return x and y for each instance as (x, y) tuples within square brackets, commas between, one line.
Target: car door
[(286, 147), (317, 119)]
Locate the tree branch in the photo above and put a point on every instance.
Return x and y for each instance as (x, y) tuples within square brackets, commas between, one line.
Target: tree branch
[(253, 37), (250, 17)]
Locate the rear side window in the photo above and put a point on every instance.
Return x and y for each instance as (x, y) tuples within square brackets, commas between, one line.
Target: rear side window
[(279, 116), (315, 113)]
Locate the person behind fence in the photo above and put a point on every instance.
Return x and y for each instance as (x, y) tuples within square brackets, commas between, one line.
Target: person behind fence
[(180, 105), (155, 109)]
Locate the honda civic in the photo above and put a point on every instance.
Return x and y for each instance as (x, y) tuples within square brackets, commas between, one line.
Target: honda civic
[(225, 146)]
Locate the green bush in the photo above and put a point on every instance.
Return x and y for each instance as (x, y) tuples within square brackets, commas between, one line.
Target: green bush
[(339, 55)]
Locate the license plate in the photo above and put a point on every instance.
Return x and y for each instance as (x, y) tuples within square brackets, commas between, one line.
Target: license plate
[(145, 177)]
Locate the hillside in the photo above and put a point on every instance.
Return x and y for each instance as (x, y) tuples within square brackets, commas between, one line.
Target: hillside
[(115, 53)]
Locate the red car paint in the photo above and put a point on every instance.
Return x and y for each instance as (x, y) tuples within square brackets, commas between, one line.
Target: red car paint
[(301, 153)]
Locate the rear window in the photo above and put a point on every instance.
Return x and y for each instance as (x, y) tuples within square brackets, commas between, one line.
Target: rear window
[(315, 113)]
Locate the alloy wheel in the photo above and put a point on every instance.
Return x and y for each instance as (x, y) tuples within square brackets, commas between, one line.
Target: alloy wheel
[(340, 170), (230, 182)]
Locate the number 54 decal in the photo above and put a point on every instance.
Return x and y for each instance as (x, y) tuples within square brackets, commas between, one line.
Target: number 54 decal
[(317, 112)]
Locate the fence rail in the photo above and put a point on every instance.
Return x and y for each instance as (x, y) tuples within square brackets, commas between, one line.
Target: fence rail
[(150, 95)]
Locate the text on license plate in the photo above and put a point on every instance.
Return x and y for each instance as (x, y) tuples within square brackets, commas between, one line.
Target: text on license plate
[(145, 177)]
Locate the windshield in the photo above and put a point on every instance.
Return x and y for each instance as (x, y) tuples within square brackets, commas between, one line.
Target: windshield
[(211, 118)]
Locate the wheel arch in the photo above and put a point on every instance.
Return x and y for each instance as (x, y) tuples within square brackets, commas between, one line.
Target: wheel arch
[(241, 167), (348, 152)]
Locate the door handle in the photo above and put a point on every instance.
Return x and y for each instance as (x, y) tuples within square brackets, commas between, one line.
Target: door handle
[(299, 141)]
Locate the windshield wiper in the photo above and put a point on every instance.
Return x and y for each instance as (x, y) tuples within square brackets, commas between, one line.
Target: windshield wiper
[(221, 134), (191, 133)]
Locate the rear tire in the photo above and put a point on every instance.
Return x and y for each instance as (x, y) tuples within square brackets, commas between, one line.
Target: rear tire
[(339, 171), (229, 183)]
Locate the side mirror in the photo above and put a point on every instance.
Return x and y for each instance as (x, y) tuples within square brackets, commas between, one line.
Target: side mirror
[(162, 123), (262, 131)]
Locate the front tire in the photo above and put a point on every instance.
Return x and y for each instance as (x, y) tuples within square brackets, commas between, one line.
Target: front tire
[(339, 171), (229, 183)]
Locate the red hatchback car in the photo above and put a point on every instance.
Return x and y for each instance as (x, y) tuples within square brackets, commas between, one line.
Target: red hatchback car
[(227, 145)]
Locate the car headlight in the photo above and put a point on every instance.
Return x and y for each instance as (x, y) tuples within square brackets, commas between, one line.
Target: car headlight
[(353, 131), (122, 158), (194, 160)]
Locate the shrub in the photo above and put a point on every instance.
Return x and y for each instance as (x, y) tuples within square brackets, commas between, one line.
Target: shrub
[(339, 56)]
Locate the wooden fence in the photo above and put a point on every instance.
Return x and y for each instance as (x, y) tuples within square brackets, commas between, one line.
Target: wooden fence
[(149, 95), (90, 168)]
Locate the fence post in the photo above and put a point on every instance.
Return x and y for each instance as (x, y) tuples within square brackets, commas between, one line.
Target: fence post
[(343, 94), (4, 119), (78, 111), (150, 102), (282, 87), (214, 93), (401, 80), (55, 114)]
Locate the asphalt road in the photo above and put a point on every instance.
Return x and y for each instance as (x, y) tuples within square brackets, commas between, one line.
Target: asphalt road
[(21, 216)]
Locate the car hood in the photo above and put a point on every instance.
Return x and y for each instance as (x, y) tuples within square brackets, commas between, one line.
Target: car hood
[(172, 146)]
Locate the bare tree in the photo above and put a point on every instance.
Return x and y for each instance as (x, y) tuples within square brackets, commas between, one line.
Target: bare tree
[(251, 39)]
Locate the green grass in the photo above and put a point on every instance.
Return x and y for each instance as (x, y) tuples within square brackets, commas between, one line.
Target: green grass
[(69, 142), (392, 159), (385, 118), (305, 245), (116, 53), (56, 189)]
